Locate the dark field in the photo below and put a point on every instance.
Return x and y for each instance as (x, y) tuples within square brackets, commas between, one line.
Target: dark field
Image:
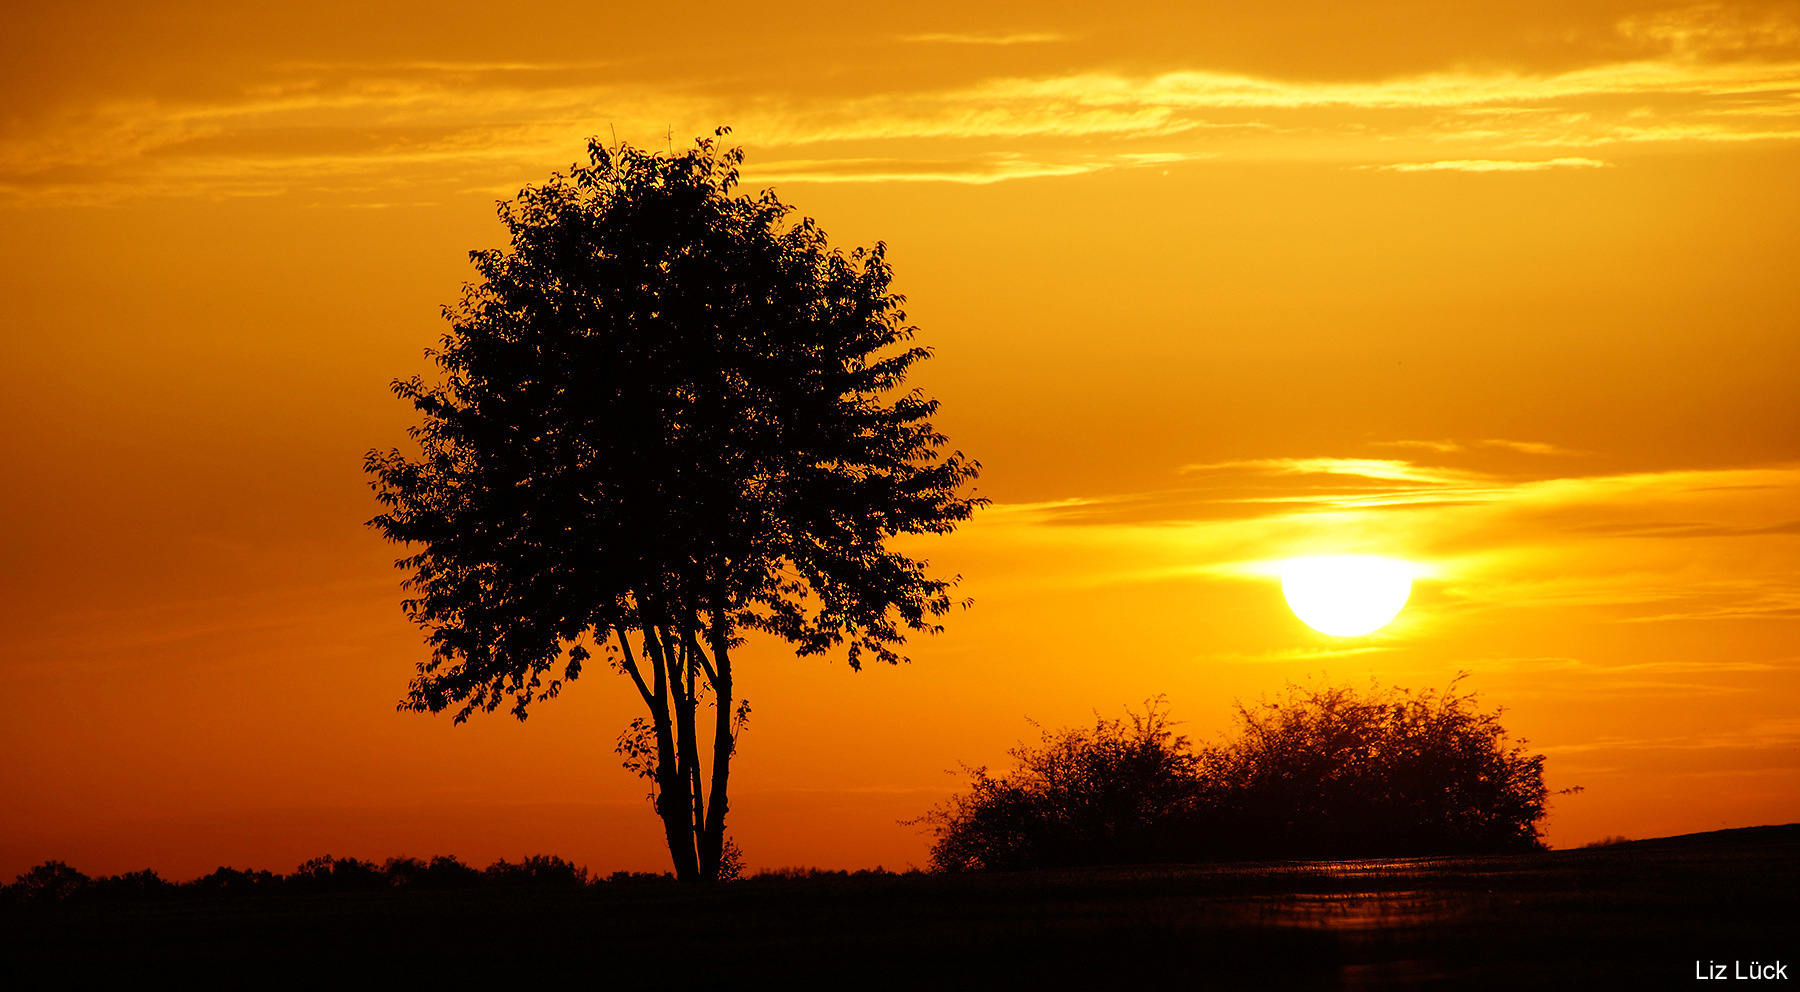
[(1636, 915)]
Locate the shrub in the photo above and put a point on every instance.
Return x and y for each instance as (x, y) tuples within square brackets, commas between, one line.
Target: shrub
[(49, 882), (1116, 794), (133, 886), (538, 871), (329, 874), (1319, 773), (441, 872), (1336, 773), (230, 881)]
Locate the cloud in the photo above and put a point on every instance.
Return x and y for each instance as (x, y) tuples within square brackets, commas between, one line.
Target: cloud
[(1492, 165), (978, 170), (1387, 469), (1529, 447), (372, 129), (1462, 89), (1446, 447), (1289, 655), (1441, 447), (1022, 38), (1589, 546), (1714, 30)]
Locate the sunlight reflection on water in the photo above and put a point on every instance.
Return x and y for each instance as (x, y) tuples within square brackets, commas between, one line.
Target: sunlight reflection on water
[(1356, 911), (1360, 916)]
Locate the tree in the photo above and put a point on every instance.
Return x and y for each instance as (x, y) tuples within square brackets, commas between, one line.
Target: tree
[(1334, 772), (670, 415), (1117, 794), (1320, 773)]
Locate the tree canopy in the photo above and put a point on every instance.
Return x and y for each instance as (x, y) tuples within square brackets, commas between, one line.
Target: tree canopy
[(1328, 772), (670, 414)]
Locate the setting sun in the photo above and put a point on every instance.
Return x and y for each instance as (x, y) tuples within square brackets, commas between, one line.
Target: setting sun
[(1346, 595)]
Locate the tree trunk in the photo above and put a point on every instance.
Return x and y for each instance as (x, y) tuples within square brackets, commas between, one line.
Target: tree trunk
[(712, 837), (688, 750), (671, 786)]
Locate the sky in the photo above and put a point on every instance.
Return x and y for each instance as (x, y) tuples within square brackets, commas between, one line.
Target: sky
[(1504, 290)]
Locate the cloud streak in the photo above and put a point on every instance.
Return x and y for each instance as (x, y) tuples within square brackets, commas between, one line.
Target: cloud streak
[(353, 126), (1588, 544), (1493, 165), (1022, 38)]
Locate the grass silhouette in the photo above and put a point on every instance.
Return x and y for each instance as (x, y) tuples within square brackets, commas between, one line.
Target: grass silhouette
[(1628, 915)]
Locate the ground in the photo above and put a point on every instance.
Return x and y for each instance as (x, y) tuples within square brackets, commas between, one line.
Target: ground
[(1637, 915)]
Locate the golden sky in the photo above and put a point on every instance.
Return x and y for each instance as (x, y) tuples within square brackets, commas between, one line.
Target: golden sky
[(1505, 290)]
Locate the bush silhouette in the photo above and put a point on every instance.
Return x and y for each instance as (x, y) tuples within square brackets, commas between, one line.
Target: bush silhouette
[(328, 874), (54, 882), (231, 881), (441, 872), (537, 871), (1118, 793), (49, 882), (1320, 773), (132, 886)]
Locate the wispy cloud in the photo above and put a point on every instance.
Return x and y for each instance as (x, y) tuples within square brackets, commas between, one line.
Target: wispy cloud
[(978, 170), (1019, 38), (1445, 447), (1448, 90), (1387, 469), (1529, 447), (1589, 544), (1285, 656), (1696, 77), (1492, 165), (1713, 29)]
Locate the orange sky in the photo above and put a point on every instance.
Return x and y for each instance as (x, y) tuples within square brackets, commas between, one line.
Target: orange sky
[(1506, 290)]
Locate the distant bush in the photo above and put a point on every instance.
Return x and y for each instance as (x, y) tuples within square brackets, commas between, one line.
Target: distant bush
[(1320, 773), (1607, 841), (232, 882), (537, 871), (441, 872), (1115, 794), (329, 874), (133, 886), (49, 882), (54, 882)]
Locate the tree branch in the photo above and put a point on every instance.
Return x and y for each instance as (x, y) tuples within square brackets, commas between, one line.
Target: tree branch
[(631, 669)]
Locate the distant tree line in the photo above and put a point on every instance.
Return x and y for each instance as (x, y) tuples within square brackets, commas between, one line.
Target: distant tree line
[(56, 883), (1320, 773)]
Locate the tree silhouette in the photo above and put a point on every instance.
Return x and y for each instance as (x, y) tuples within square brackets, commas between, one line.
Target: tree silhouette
[(1320, 773), (1125, 792), (669, 415)]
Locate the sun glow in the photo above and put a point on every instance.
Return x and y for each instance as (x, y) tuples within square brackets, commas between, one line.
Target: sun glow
[(1346, 595)]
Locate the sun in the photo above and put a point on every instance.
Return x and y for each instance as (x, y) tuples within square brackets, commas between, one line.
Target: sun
[(1346, 595)]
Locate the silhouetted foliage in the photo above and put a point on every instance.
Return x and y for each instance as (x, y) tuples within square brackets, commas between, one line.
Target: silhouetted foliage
[(537, 871), (132, 886), (54, 882), (1123, 792), (668, 416), (225, 881), (329, 874), (440, 872), (1320, 773), (49, 882), (1337, 773)]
